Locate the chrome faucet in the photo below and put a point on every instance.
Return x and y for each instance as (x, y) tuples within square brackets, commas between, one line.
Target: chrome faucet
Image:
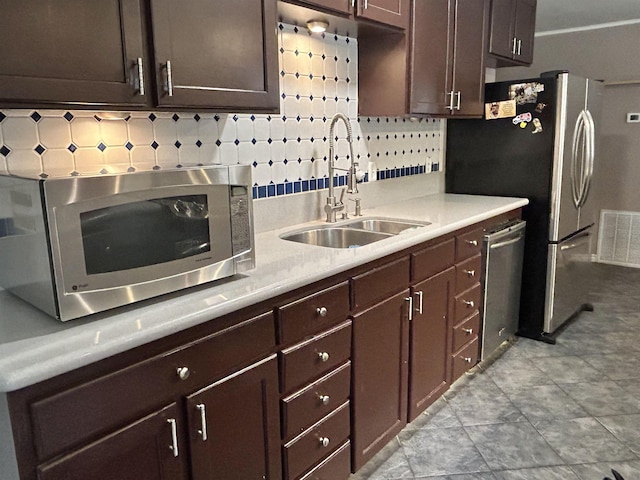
[(333, 206)]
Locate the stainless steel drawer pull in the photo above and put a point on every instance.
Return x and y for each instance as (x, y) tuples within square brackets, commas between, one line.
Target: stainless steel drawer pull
[(140, 76), (322, 311), (514, 47), (469, 303), (468, 331), (168, 88), (324, 441), (519, 47), (467, 359), (410, 300), (470, 273), (183, 373), (420, 295), (472, 243), (323, 356), (324, 399), (459, 96), (174, 436), (203, 421)]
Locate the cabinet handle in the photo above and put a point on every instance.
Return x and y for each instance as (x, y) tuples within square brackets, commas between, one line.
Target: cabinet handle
[(168, 88), (410, 300), (470, 273), (183, 373), (140, 76), (203, 421), (472, 243), (322, 311), (174, 436), (324, 441), (324, 399), (420, 295), (468, 331), (519, 47), (451, 95), (467, 359), (459, 95), (323, 356), (366, 4), (514, 46), (469, 303), (353, 3)]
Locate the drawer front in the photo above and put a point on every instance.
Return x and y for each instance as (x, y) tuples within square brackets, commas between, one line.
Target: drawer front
[(469, 244), (468, 273), (467, 303), (336, 466), (310, 359), (81, 413), (432, 260), (466, 331), (316, 443), (380, 283), (313, 314), (313, 402), (464, 360)]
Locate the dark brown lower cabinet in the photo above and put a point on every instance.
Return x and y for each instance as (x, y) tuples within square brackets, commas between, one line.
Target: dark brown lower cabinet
[(428, 345), (379, 379), (148, 449), (234, 426)]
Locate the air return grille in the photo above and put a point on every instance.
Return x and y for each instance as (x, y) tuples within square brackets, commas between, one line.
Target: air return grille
[(619, 239)]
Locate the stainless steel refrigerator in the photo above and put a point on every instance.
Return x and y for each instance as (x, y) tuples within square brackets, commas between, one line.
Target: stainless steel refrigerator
[(538, 139)]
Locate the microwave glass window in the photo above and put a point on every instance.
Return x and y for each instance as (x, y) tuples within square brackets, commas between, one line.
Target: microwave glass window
[(145, 233)]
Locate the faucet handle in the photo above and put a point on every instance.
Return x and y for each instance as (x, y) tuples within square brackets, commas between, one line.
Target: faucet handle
[(341, 202)]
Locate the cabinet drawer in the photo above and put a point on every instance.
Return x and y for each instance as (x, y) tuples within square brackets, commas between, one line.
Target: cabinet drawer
[(466, 303), (380, 282), (310, 359), (313, 402), (304, 451), (468, 273), (432, 260), (469, 244), (466, 331), (464, 360), (336, 466), (96, 407), (313, 313)]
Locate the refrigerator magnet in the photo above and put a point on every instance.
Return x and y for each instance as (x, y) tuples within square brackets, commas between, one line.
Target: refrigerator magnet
[(538, 125), (504, 109), (525, 92), (522, 118)]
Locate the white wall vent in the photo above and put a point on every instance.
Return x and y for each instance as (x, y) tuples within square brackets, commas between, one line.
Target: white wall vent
[(619, 239)]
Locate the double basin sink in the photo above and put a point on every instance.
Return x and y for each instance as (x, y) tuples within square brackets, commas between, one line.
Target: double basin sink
[(353, 233)]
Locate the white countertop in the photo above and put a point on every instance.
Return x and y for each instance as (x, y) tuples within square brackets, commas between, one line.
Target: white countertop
[(35, 347)]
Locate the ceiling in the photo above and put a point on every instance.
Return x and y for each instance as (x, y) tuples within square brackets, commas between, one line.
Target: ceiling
[(569, 14)]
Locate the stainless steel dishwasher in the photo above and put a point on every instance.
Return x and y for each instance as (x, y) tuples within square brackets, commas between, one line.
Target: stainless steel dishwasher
[(503, 249)]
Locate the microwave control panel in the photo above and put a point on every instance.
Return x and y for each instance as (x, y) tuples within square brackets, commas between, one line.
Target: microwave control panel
[(240, 219)]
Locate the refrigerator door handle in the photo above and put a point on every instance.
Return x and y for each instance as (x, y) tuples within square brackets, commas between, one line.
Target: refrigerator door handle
[(590, 155), (578, 160)]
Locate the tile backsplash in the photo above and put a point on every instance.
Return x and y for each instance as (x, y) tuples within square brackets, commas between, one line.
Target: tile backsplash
[(288, 151)]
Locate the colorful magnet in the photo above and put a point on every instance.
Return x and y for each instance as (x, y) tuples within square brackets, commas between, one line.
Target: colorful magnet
[(540, 107), (538, 125), (525, 92), (523, 124), (505, 109), (523, 117)]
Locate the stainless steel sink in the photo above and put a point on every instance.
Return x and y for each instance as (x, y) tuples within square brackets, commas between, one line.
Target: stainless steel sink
[(353, 233), (385, 225), (336, 237)]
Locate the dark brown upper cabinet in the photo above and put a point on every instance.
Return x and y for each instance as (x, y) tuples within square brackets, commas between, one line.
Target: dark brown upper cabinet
[(221, 53), (218, 55), (437, 70), (395, 13), (512, 31), (72, 52)]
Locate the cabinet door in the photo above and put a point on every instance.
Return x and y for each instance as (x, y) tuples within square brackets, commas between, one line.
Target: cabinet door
[(216, 54), (71, 52), (379, 378), (151, 448), (471, 22), (342, 6), (429, 346), (431, 51), (525, 23), (234, 426), (501, 36), (390, 12)]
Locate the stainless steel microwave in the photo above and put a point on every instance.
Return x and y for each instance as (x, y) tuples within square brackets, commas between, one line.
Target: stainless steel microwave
[(80, 245)]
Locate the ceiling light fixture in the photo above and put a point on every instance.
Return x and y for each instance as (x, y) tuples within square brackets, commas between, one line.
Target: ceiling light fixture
[(317, 26)]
